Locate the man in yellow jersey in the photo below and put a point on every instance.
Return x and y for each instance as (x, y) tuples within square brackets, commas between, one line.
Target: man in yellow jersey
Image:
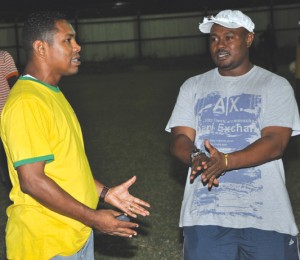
[(54, 193)]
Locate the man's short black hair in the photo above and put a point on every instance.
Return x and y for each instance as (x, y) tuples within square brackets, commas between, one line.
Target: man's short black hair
[(40, 25)]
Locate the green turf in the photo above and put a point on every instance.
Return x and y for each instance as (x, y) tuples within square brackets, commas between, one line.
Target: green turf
[(123, 116), (123, 120)]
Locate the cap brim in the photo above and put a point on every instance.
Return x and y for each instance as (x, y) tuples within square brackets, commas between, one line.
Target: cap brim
[(206, 26)]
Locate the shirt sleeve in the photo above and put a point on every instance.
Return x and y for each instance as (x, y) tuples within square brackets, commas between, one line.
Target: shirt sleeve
[(183, 113), (26, 127), (10, 67), (281, 107)]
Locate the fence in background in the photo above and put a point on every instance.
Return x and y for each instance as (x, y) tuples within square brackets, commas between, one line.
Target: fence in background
[(156, 36)]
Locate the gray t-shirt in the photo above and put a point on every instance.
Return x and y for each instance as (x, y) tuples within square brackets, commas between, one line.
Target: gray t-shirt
[(231, 112)]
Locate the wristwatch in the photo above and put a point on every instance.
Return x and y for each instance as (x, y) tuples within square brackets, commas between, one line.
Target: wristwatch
[(196, 152)]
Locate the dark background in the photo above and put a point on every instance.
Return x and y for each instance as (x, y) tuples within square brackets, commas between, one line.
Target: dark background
[(16, 10)]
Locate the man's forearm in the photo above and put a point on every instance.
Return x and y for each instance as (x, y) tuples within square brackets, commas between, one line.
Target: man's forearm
[(182, 147), (53, 197), (269, 147)]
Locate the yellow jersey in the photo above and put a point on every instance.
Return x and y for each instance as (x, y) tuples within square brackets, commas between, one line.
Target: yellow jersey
[(38, 124)]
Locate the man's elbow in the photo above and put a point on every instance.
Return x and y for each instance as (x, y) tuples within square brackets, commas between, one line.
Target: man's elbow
[(279, 153), (28, 186), (25, 188), (175, 147)]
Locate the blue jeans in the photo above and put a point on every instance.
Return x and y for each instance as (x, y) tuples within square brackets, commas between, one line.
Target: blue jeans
[(86, 253), (215, 243)]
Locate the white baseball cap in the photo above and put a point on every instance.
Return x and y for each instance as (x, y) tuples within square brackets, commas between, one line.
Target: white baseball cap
[(229, 19)]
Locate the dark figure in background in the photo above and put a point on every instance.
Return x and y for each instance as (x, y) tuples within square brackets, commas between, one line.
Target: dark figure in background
[(8, 77), (268, 47), (54, 193)]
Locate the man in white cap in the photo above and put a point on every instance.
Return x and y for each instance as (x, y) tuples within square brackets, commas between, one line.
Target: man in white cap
[(231, 125)]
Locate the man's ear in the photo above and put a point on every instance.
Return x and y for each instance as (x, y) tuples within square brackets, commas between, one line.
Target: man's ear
[(249, 39), (39, 48)]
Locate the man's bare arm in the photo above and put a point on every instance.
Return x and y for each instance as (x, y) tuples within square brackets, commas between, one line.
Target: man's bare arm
[(35, 183), (269, 147)]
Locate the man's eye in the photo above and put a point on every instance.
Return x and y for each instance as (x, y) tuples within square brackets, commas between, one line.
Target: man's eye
[(213, 39), (229, 37)]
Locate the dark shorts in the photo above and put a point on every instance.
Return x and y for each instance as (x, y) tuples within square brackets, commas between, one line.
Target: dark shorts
[(216, 243)]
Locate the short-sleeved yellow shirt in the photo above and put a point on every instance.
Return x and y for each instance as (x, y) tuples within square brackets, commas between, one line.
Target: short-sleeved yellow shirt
[(38, 124)]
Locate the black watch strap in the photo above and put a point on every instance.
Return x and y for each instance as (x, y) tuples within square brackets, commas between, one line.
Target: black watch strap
[(103, 193), (195, 153)]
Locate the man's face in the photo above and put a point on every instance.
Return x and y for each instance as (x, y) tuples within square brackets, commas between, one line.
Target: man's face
[(229, 49), (63, 52)]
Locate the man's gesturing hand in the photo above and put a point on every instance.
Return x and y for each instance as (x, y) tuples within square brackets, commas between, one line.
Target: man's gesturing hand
[(214, 167)]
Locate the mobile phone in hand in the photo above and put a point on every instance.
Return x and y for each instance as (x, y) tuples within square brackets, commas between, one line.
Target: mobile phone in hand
[(123, 217)]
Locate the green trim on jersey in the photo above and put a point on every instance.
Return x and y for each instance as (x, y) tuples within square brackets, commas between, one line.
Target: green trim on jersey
[(48, 158), (56, 89)]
